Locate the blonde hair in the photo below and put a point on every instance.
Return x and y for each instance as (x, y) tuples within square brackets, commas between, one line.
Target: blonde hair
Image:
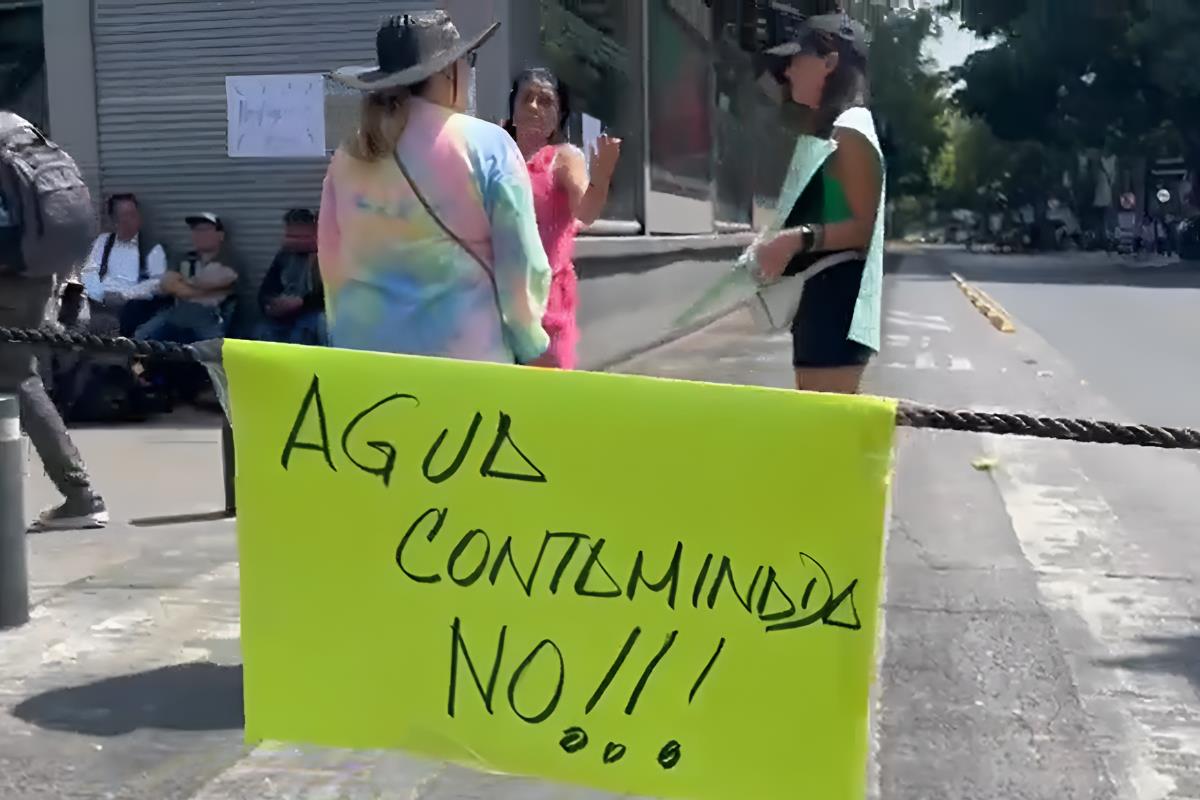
[(383, 118)]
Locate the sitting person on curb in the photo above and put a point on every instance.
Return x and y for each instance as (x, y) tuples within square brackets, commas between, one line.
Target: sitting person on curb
[(122, 273), (292, 297), (203, 288)]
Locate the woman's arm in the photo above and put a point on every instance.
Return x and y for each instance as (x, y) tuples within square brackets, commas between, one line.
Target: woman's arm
[(521, 269), (585, 197), (857, 167)]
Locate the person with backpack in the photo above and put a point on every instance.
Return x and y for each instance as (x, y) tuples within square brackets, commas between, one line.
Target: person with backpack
[(122, 273), (46, 226)]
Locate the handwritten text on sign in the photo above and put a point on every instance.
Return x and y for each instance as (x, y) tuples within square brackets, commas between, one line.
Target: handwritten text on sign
[(275, 116), (651, 587)]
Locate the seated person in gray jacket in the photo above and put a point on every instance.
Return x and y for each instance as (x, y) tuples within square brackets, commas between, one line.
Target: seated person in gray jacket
[(292, 297)]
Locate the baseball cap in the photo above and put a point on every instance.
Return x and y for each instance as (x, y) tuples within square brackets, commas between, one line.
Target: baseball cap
[(205, 218), (816, 34)]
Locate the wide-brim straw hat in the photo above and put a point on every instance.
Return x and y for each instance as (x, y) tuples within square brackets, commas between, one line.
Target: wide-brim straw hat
[(411, 48)]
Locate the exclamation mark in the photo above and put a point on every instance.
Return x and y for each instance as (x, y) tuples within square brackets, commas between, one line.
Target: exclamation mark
[(707, 669)]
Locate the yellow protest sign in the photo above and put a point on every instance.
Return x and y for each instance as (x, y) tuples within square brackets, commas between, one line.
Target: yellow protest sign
[(653, 587)]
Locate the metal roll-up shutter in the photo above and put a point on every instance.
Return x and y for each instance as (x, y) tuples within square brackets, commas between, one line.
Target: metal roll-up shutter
[(160, 90)]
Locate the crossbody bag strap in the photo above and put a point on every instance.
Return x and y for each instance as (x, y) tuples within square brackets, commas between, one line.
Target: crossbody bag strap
[(446, 228), (458, 240)]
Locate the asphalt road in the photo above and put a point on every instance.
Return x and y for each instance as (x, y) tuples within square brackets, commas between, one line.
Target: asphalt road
[(1132, 332), (1041, 621)]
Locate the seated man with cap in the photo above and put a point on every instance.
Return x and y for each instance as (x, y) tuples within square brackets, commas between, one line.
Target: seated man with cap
[(202, 286)]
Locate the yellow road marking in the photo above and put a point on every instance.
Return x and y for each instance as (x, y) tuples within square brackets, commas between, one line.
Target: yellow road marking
[(994, 312)]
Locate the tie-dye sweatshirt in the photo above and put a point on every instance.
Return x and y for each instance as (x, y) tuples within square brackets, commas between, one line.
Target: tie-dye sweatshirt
[(395, 282)]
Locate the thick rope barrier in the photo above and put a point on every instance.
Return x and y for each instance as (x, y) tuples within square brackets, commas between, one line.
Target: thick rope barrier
[(908, 414), (69, 340), (1087, 431)]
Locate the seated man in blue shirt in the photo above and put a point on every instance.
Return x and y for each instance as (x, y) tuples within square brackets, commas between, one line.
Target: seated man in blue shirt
[(292, 297), (122, 273)]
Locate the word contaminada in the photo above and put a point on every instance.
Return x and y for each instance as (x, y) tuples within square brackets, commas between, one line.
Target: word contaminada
[(470, 558)]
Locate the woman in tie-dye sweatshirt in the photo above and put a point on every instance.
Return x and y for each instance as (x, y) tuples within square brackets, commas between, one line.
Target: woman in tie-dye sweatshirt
[(399, 279)]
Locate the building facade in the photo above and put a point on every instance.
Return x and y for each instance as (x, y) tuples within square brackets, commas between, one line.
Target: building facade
[(137, 92)]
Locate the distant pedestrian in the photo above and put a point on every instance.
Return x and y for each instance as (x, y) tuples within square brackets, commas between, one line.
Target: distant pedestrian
[(427, 240), (835, 331), (31, 256), (567, 193)]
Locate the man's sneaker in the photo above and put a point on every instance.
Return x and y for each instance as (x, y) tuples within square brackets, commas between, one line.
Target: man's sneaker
[(79, 513)]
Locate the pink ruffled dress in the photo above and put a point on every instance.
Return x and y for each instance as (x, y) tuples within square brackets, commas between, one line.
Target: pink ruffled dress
[(558, 228)]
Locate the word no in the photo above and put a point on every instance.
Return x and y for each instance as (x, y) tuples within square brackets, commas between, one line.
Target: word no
[(537, 710)]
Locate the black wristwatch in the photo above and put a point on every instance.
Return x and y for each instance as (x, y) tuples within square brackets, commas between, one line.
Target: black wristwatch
[(808, 239)]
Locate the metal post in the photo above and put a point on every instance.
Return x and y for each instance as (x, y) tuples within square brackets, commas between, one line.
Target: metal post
[(14, 567), (227, 466)]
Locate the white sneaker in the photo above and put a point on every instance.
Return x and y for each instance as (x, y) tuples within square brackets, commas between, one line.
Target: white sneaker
[(84, 513)]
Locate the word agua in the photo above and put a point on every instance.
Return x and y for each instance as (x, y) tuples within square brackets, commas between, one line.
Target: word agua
[(386, 466)]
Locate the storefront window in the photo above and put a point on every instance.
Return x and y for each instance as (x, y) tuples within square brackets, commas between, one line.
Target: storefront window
[(752, 147), (22, 65), (681, 123), (736, 110), (592, 45)]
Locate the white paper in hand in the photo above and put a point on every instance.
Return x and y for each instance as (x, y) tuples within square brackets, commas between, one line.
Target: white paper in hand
[(592, 128)]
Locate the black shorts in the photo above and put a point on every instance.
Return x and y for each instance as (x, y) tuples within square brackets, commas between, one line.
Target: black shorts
[(819, 331)]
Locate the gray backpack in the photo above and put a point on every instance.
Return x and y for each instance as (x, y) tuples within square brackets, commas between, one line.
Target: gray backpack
[(46, 199)]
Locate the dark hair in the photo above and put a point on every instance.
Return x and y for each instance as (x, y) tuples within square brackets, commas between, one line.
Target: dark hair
[(299, 216), (844, 87), (540, 75), (110, 205)]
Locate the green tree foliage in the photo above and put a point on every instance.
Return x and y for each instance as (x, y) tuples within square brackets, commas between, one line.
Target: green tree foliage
[(1119, 76), (988, 17), (1166, 45), (979, 171), (906, 95)]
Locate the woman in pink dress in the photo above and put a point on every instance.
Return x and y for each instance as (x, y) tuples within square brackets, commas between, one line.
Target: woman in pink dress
[(567, 195)]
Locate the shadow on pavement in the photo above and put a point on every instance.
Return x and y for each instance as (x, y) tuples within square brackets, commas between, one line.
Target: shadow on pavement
[(185, 697), (181, 418), (1176, 655)]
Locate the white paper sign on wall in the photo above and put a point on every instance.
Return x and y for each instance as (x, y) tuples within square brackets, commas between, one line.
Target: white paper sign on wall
[(276, 116)]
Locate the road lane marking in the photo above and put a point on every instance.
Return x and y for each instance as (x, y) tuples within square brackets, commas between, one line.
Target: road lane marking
[(926, 360), (932, 323), (961, 364), (994, 312)]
